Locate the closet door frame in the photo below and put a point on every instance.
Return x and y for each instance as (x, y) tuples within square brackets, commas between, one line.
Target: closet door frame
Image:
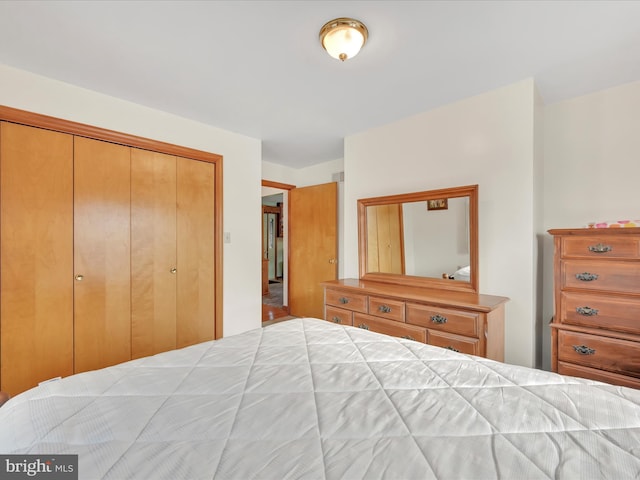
[(65, 126)]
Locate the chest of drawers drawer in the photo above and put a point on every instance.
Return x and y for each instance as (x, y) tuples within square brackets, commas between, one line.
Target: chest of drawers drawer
[(611, 354), (346, 300), (611, 276), (574, 370), (445, 320), (617, 313), (601, 247), (390, 327), (387, 308)]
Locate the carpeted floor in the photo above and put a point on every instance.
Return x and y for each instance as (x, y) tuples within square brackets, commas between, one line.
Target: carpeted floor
[(274, 298)]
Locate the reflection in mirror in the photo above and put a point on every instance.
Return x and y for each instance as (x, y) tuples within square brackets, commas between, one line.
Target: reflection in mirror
[(424, 238), (385, 239), (436, 242)]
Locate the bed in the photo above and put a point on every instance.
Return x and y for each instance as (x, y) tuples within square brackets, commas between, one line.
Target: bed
[(306, 398)]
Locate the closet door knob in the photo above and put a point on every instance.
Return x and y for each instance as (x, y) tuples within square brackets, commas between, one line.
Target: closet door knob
[(173, 270), (79, 277)]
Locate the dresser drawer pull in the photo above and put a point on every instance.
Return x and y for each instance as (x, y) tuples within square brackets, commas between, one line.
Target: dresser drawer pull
[(363, 326), (587, 311), (452, 349), (343, 300), (384, 309), (438, 319), (586, 277), (408, 337), (583, 350), (600, 248), (337, 319)]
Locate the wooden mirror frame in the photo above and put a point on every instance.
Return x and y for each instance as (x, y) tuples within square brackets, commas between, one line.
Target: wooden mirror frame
[(470, 191)]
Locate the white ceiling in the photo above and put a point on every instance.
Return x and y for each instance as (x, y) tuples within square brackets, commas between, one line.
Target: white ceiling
[(257, 67)]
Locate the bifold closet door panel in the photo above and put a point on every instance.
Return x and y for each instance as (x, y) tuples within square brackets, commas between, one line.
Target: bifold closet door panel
[(153, 253), (36, 241), (102, 240), (195, 235), (385, 249)]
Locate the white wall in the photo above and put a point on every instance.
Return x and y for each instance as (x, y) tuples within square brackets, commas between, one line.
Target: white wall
[(486, 140), (540, 234), (302, 177), (241, 171), (591, 169)]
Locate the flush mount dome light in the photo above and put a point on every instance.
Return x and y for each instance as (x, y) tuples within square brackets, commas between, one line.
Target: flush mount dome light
[(343, 38)]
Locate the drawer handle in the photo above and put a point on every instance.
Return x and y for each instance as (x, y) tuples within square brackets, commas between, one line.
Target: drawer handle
[(384, 309), (586, 277), (600, 248), (408, 337), (363, 326), (452, 349), (583, 350), (337, 319), (343, 300), (587, 311), (438, 319)]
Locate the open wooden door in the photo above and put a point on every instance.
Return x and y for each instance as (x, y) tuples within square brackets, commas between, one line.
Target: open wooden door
[(313, 246)]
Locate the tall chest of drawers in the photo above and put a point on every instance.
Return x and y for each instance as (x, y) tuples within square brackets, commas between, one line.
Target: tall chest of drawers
[(460, 321), (595, 331)]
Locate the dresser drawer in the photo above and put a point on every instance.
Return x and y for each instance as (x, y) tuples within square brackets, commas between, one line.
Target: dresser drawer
[(597, 311), (346, 300), (386, 308), (598, 375), (612, 276), (338, 315), (612, 354), (601, 247), (457, 343), (442, 319), (390, 327)]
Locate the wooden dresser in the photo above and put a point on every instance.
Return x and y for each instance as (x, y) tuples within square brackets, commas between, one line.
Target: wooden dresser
[(596, 326), (461, 321)]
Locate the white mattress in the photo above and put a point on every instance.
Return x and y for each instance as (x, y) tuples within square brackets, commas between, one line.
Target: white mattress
[(309, 399)]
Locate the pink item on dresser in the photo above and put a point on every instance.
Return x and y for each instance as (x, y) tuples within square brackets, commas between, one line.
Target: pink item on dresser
[(615, 224)]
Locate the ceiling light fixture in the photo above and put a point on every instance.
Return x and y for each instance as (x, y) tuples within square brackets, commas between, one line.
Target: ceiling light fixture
[(343, 38)]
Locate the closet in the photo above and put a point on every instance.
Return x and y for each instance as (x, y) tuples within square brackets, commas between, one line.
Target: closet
[(108, 251), (36, 256), (172, 265), (101, 254)]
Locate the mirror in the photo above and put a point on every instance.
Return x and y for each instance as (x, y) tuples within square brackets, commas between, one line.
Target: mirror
[(427, 239)]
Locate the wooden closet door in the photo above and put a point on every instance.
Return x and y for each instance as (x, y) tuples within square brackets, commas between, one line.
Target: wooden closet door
[(36, 240), (196, 229), (153, 253), (102, 202)]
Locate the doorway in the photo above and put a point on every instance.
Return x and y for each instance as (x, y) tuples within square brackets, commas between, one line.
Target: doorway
[(309, 247), (274, 255)]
